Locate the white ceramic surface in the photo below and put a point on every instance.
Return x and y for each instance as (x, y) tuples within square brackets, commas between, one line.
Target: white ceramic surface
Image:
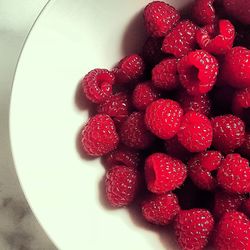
[(64, 189)]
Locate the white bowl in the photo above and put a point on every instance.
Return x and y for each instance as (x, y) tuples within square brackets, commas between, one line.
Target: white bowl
[(63, 189)]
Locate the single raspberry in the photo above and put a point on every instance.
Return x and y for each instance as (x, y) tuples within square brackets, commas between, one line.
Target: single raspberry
[(228, 132), (195, 132), (163, 118), (134, 133), (193, 228), (159, 18), (160, 209), (143, 95), (165, 75), (236, 67), (198, 71), (233, 232), (129, 69), (216, 40), (97, 85), (181, 39), (245, 147), (99, 136), (201, 169), (164, 173), (121, 184), (234, 174), (246, 207)]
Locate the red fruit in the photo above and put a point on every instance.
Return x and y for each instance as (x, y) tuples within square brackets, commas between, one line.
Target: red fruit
[(134, 133), (198, 71), (245, 147), (143, 95), (234, 174), (163, 118), (233, 232), (193, 228), (99, 136), (164, 173), (195, 132), (246, 207), (160, 209), (216, 41), (159, 18), (181, 39), (97, 85), (165, 75), (121, 184), (228, 133)]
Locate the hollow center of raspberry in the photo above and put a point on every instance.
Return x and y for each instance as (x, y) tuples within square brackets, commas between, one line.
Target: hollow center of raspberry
[(192, 74), (104, 82), (151, 175)]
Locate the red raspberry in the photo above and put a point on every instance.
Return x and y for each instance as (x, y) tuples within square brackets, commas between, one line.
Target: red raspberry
[(99, 136), (245, 147), (164, 173), (97, 85), (121, 184), (160, 18), (233, 232), (195, 132), (228, 132), (160, 209), (165, 75), (234, 174), (193, 228), (246, 207), (204, 12), (134, 133), (180, 40), (198, 71), (236, 67), (143, 95), (200, 169), (216, 40), (163, 118)]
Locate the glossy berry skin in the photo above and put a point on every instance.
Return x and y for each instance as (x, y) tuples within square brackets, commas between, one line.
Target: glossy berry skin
[(121, 185), (163, 118), (234, 174), (233, 232), (181, 39), (246, 207), (160, 209), (164, 173), (244, 149), (228, 133), (195, 132), (159, 18), (193, 228), (198, 72), (99, 136), (97, 85)]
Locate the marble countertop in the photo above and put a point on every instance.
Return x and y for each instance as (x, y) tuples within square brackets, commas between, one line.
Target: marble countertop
[(19, 229)]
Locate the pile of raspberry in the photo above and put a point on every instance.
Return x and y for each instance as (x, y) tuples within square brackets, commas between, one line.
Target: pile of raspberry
[(172, 124)]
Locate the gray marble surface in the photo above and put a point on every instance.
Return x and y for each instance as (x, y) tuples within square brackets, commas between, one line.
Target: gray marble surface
[(19, 229)]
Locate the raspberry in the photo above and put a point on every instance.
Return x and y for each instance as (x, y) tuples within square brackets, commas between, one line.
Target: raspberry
[(198, 71), (200, 169), (233, 232), (143, 95), (236, 67), (195, 132), (204, 12), (245, 147), (193, 228), (216, 40), (121, 184), (160, 209), (180, 40), (228, 133), (165, 75), (99, 136), (134, 133), (234, 174), (163, 118), (164, 173), (246, 207), (97, 85), (159, 18)]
